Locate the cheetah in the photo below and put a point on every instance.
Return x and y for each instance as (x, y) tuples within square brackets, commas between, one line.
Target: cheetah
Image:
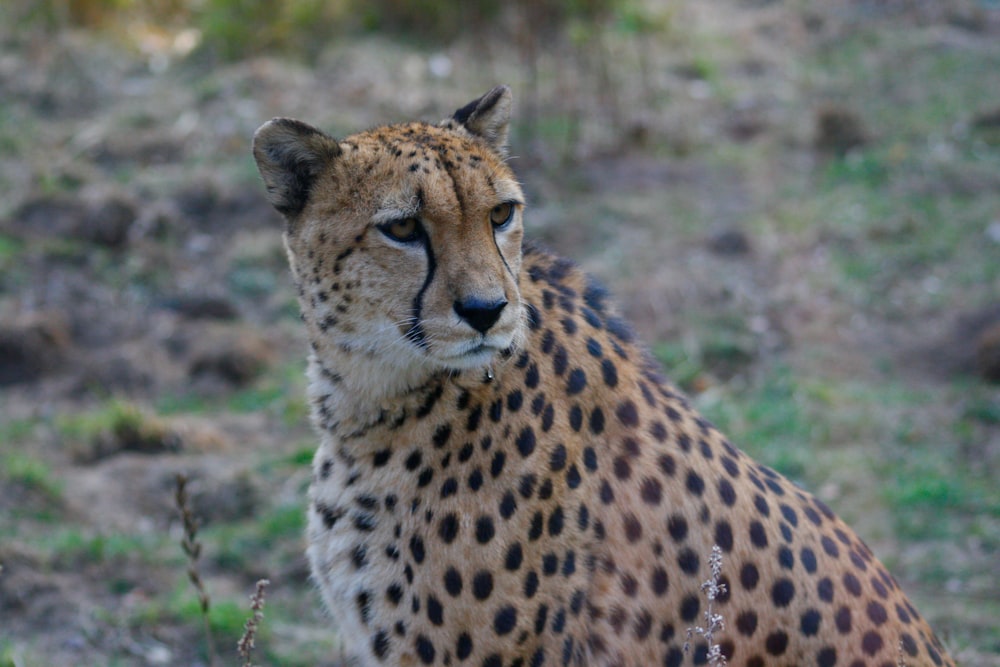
[(504, 478)]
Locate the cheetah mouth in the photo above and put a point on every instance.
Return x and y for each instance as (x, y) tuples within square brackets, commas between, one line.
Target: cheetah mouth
[(475, 354)]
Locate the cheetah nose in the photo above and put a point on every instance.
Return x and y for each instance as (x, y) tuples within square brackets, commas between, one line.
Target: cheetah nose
[(479, 313)]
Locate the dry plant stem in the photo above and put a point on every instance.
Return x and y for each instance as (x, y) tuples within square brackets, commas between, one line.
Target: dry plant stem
[(245, 645), (192, 549), (713, 622)]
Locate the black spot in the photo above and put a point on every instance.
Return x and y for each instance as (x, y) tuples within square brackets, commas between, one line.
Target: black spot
[(526, 487), (610, 373), (607, 493), (448, 528), (843, 620), (809, 623), (590, 459), (550, 564), (786, 558), (449, 488), (515, 556), (761, 505), (627, 413), (573, 478), (531, 376), (651, 491), (659, 582), (597, 421), (505, 620), (746, 623), (852, 584), (394, 593), (877, 613), (687, 560), (872, 642), (441, 435), (690, 606), (824, 588), (435, 612), (484, 529), (808, 559), (482, 585), (622, 468), (569, 564), (364, 522), (667, 464), (695, 484), (380, 458), (453, 582), (827, 657), (515, 400), (463, 646), (556, 522), (330, 515), (557, 460), (359, 557), (576, 418), (577, 382), (363, 600), (475, 480), (413, 461), (496, 466), (724, 535), (782, 593), (425, 649), (677, 527), (380, 644), (417, 549), (776, 642), (749, 576), (633, 529), (789, 514), (508, 505), (727, 493), (526, 441), (530, 584), (758, 536), (493, 660)]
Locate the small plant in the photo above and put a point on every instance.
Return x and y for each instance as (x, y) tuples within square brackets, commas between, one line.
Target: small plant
[(192, 549), (713, 622), (245, 645)]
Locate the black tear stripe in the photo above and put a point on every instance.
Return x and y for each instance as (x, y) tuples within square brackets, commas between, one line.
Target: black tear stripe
[(416, 331)]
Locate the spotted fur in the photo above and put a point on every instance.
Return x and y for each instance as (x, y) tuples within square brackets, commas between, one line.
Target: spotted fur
[(504, 478)]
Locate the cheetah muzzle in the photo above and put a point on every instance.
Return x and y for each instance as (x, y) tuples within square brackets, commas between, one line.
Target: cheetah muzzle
[(503, 477)]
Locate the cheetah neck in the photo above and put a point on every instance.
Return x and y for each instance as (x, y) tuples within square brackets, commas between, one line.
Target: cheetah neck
[(349, 391)]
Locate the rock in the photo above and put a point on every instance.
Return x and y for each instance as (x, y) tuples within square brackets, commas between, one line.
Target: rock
[(104, 220), (202, 307), (988, 353), (34, 346), (839, 130), (729, 241), (234, 356)]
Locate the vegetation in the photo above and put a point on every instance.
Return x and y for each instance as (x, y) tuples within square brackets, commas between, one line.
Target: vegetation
[(796, 205)]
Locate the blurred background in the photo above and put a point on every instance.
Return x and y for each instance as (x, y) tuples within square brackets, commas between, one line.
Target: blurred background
[(796, 202)]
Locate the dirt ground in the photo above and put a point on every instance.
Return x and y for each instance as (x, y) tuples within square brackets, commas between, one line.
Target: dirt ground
[(148, 328)]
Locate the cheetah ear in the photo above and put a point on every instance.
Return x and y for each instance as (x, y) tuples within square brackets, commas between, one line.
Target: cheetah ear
[(488, 117), (290, 155)]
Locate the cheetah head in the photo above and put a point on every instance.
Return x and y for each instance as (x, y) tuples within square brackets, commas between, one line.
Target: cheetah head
[(405, 240)]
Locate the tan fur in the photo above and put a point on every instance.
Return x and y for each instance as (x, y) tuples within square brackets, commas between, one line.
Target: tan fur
[(532, 493)]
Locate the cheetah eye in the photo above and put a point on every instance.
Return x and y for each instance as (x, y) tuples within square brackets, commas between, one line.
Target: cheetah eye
[(406, 230), (502, 214)]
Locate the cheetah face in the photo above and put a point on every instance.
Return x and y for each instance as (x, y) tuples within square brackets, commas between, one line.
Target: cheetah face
[(404, 241)]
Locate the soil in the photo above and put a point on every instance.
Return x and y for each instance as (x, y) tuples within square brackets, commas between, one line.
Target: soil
[(141, 267)]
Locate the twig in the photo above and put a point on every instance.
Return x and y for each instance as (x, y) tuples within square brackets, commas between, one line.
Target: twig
[(713, 622), (246, 643), (192, 549)]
